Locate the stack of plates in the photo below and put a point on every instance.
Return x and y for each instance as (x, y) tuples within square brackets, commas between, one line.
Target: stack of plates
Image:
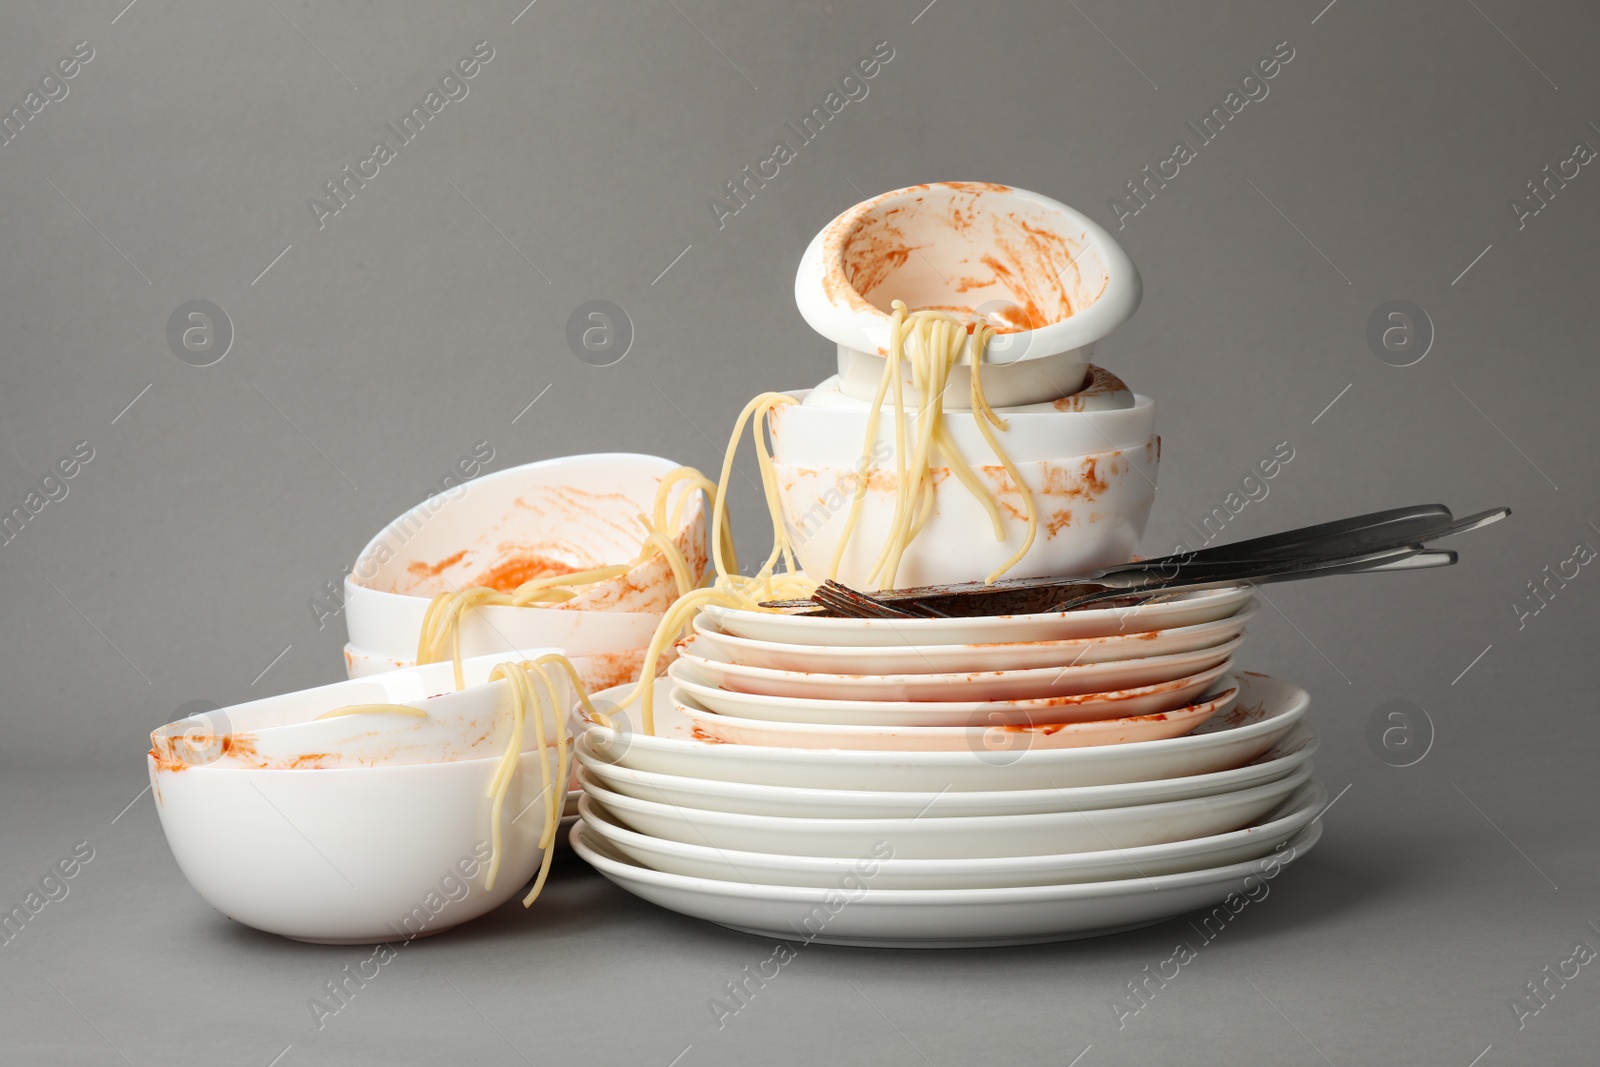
[(1039, 778)]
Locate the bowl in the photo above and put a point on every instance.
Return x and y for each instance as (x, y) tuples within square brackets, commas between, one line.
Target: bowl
[(1050, 277), (288, 732), (819, 432), (558, 515), (350, 856), (1091, 509), (599, 671)]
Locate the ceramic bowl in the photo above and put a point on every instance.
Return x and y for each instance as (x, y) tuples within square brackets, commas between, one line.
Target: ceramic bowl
[(1137, 862), (933, 659), (1091, 512), (827, 430), (350, 856), (571, 513), (1052, 278), (601, 671), (1178, 609)]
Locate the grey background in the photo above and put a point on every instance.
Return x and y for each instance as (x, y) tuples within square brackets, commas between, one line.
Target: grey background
[(423, 318)]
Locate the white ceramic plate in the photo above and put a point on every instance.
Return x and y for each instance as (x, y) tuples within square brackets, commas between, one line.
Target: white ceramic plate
[(967, 685), (938, 837), (1264, 711), (1085, 707), (754, 799), (823, 872), (942, 918), (1180, 609), (975, 736), (933, 659)]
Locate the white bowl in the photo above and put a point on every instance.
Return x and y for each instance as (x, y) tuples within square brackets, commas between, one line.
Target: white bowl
[(1265, 710), (1102, 391), (1091, 511), (991, 737), (576, 512), (1179, 609), (1026, 683), (287, 732), (1140, 861), (960, 837), (1056, 279), (824, 430), (737, 709), (759, 799), (601, 671), (931, 659), (353, 856), (844, 914)]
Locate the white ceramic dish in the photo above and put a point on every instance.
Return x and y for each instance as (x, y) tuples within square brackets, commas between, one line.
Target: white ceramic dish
[(829, 429), (598, 672), (1265, 710), (1027, 262), (755, 799), (573, 512), (825, 872), (1091, 511), (999, 740), (1181, 609), (939, 837), (1023, 684), (286, 732), (943, 918), (351, 856), (933, 659), (1102, 391), (1045, 711)]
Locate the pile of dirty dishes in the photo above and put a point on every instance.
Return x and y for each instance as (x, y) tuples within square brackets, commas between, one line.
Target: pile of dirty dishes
[(946, 782)]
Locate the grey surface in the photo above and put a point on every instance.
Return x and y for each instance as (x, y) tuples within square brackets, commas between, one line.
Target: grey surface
[(423, 318)]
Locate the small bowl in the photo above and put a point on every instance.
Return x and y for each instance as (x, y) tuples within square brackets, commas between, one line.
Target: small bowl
[(356, 856), (600, 671), (574, 513), (828, 429), (1049, 276), (1092, 509)]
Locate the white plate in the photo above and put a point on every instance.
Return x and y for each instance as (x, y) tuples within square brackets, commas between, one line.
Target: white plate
[(943, 918), (754, 799), (759, 868), (966, 685), (932, 659), (939, 837), (1086, 707), (991, 738), (1180, 609), (1265, 710)]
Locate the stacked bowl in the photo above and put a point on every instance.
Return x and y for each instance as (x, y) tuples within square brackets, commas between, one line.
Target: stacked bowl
[(945, 782), (538, 519)]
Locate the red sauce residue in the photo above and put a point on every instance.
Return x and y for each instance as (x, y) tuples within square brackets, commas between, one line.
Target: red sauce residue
[(420, 569), (1058, 522), (240, 746), (506, 576), (1101, 383), (1088, 480), (700, 735)]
